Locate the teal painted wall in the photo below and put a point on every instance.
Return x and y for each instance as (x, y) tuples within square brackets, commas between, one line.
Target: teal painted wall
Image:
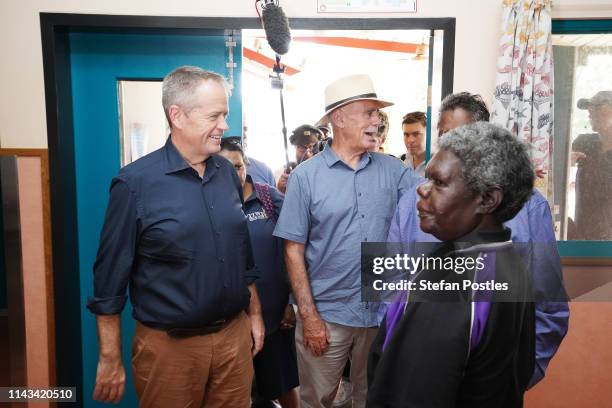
[(97, 61)]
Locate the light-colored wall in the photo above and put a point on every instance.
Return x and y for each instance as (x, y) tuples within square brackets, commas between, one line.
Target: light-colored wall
[(22, 109)]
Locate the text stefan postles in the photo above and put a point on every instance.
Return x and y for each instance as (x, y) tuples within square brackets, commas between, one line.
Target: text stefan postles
[(414, 264), (442, 285)]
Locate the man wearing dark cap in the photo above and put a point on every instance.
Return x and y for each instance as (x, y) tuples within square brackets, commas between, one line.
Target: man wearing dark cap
[(305, 140), (593, 154)]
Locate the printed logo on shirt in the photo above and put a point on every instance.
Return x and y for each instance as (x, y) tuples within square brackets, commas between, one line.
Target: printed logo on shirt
[(257, 215)]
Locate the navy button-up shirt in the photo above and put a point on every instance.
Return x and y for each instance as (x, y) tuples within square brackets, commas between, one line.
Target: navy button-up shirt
[(180, 241)]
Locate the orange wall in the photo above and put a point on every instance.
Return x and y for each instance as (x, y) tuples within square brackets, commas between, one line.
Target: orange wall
[(580, 375)]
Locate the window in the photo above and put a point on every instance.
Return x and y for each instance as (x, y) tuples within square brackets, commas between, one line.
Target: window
[(582, 170)]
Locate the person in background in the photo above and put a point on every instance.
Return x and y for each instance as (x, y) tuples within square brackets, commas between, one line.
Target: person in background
[(593, 154), (305, 140), (276, 375), (258, 170), (532, 225), (326, 132), (175, 231), (341, 197), (459, 348), (381, 136), (414, 126)]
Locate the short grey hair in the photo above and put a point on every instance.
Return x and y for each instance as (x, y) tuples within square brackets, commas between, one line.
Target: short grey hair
[(493, 158), (179, 86)]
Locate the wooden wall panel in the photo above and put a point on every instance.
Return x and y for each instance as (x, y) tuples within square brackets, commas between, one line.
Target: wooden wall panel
[(33, 261)]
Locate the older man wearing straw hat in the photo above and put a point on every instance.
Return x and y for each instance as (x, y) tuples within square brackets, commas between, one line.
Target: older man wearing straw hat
[(341, 197)]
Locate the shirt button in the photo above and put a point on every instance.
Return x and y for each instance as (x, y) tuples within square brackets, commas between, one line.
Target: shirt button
[(362, 216), (217, 233), (359, 194), (221, 260), (365, 239), (211, 207)]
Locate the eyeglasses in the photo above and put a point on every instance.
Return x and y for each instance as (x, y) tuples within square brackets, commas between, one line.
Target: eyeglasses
[(314, 149)]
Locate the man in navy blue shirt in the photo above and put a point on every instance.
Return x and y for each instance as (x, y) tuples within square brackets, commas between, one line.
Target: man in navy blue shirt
[(175, 230)]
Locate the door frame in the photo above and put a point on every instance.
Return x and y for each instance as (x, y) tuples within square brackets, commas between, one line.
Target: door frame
[(55, 30)]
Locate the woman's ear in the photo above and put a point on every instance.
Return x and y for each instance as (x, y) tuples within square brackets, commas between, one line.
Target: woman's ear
[(490, 200)]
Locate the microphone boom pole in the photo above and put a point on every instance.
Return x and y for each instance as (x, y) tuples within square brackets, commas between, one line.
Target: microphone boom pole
[(278, 35), (277, 82)]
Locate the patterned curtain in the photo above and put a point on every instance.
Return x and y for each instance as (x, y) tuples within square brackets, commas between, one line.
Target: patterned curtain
[(524, 87)]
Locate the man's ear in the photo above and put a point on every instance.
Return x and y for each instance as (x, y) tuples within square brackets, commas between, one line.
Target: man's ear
[(490, 200), (175, 115), (336, 118)]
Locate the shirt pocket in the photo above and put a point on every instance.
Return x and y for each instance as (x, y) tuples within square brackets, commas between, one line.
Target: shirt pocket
[(384, 201), (163, 251)]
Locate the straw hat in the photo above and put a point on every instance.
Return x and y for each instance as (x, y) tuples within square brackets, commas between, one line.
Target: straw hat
[(349, 89)]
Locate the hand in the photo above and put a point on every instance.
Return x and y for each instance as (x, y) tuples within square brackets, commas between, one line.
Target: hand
[(258, 332), (316, 336), (281, 184), (288, 321), (575, 156), (540, 173), (110, 380)]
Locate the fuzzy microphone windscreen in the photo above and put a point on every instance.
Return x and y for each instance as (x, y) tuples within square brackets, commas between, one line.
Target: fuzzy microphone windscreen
[(276, 26)]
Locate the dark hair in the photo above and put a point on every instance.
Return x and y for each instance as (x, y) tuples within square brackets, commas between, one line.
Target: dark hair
[(492, 158), (232, 144), (415, 117), (471, 103)]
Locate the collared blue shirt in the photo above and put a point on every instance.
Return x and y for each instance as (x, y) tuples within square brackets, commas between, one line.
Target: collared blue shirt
[(533, 224), (273, 286), (332, 208), (260, 172), (419, 171), (180, 241)]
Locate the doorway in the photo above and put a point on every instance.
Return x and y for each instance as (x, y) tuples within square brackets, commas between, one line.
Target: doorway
[(74, 241)]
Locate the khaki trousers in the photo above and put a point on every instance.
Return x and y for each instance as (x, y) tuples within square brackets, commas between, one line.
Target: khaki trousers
[(214, 370), (320, 376)]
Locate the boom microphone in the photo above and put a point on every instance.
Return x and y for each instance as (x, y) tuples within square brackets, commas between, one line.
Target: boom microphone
[(276, 26)]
